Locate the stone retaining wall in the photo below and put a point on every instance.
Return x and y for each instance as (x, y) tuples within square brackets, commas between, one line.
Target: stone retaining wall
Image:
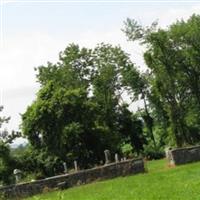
[(112, 170), (183, 155)]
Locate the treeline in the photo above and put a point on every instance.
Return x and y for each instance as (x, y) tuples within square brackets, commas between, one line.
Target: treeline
[(81, 107)]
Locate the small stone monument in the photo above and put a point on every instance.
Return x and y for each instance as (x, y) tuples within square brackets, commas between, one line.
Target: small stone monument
[(18, 175), (65, 167), (116, 158), (107, 157), (169, 156), (167, 152), (75, 166)]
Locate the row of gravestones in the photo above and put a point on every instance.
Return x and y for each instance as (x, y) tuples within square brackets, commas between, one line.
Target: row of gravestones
[(18, 173), (174, 157)]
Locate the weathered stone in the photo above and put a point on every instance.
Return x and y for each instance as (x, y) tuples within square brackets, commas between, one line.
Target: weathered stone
[(65, 167), (107, 157), (75, 166), (116, 158), (183, 155), (112, 170), (18, 175), (62, 185)]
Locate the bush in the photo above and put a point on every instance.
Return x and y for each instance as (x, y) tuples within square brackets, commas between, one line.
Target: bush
[(127, 150), (151, 152)]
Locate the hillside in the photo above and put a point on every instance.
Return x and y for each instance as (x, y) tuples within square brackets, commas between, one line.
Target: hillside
[(160, 183)]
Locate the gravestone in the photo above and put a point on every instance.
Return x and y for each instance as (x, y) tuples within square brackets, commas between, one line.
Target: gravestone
[(107, 157), (169, 156), (18, 175), (65, 167), (116, 158), (75, 166), (112, 170)]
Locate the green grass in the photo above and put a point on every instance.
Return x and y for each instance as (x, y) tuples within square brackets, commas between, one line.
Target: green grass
[(160, 183)]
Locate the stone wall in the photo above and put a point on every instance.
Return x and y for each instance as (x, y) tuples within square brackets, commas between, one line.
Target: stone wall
[(183, 155), (112, 170)]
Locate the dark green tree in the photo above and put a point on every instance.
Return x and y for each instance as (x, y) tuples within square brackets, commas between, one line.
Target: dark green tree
[(7, 162), (131, 127), (171, 55), (75, 114)]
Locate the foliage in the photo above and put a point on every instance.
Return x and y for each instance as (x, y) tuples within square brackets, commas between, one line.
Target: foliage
[(80, 109), (171, 55), (7, 162), (151, 152), (131, 127), (78, 112)]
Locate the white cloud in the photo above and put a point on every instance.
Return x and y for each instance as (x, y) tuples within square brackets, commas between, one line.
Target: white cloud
[(22, 52), (19, 55), (170, 16)]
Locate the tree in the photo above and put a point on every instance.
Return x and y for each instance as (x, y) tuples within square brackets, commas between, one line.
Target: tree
[(138, 87), (74, 116), (131, 127), (61, 123), (7, 163), (171, 55)]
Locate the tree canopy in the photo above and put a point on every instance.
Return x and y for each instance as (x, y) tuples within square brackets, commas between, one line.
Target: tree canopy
[(78, 110), (81, 109), (172, 56)]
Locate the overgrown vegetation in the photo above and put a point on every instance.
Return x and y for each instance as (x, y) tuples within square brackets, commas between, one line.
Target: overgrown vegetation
[(7, 162), (81, 109)]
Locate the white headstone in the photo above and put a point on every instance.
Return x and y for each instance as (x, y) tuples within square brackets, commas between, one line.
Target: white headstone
[(116, 158), (107, 157), (18, 174), (75, 166), (65, 167)]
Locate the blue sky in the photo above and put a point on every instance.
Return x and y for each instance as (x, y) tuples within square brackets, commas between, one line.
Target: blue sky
[(34, 33)]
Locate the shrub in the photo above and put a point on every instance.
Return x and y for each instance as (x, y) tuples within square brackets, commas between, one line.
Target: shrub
[(151, 152)]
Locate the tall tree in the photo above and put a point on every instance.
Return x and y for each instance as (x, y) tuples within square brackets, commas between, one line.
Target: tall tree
[(76, 110), (171, 56)]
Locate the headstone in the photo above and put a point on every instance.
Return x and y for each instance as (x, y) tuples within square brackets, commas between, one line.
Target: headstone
[(167, 152), (75, 166), (169, 156), (116, 158), (107, 157), (65, 167), (18, 175)]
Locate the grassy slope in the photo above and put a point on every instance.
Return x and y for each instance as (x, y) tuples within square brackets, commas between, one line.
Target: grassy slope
[(161, 183)]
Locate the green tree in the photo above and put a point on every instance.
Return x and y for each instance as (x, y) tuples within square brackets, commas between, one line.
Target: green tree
[(76, 113), (171, 55), (131, 127), (7, 162)]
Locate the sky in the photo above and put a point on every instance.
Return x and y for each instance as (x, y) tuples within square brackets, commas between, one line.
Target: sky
[(34, 32)]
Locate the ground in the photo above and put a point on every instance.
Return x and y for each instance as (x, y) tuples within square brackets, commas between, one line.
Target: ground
[(160, 183)]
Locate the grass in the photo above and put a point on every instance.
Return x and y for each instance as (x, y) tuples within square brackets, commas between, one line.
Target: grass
[(160, 183)]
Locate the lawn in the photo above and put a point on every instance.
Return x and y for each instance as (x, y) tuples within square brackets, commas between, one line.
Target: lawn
[(160, 183)]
